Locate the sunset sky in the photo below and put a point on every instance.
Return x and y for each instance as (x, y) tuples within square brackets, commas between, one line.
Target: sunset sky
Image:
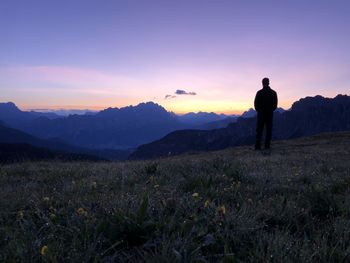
[(114, 53)]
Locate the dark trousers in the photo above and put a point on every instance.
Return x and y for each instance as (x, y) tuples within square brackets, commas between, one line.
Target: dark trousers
[(264, 119)]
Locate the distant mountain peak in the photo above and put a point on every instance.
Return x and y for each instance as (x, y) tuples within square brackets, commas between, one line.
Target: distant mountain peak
[(200, 118), (250, 113), (9, 106), (143, 105), (150, 105)]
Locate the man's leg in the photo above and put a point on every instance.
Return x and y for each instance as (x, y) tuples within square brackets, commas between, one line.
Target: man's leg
[(268, 122), (259, 130)]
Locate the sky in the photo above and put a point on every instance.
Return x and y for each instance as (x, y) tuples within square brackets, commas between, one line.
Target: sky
[(186, 55)]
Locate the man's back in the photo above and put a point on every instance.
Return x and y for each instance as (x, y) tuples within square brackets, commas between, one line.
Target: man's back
[(265, 100)]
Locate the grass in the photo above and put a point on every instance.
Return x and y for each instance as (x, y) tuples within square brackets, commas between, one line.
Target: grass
[(236, 205)]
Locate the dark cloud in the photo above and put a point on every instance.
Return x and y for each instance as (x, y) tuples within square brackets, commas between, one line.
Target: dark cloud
[(169, 96), (183, 92), (179, 92)]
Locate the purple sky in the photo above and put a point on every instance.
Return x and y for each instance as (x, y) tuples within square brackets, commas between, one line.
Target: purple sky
[(96, 54)]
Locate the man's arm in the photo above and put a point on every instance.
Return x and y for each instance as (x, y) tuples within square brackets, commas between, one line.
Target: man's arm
[(257, 101), (275, 101)]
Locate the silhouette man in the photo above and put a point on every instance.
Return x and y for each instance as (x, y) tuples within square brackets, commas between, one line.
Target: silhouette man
[(265, 103)]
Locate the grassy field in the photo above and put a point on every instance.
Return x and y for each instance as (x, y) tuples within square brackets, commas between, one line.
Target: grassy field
[(236, 205)]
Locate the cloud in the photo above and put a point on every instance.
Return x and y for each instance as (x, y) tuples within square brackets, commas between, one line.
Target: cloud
[(168, 96), (183, 92), (179, 92)]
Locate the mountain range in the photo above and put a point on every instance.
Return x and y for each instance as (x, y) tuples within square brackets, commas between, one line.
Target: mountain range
[(112, 128), (308, 116)]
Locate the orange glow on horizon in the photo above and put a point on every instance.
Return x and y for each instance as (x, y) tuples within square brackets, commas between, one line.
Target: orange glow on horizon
[(223, 107), (66, 107)]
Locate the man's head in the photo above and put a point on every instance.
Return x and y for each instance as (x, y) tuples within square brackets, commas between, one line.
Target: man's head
[(265, 82)]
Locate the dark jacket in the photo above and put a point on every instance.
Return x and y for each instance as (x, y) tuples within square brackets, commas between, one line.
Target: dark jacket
[(265, 100)]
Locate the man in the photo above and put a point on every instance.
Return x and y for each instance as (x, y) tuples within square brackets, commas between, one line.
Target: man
[(265, 103)]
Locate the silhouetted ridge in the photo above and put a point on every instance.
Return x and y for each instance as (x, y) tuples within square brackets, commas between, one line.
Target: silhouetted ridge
[(201, 118), (14, 117), (9, 107), (148, 107), (312, 103)]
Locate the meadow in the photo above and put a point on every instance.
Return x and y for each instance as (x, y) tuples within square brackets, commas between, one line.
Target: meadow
[(237, 205)]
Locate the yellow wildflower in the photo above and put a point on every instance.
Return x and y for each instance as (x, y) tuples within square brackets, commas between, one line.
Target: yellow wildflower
[(195, 195), (20, 214), (44, 250), (222, 209), (206, 203), (163, 202), (82, 212), (53, 217)]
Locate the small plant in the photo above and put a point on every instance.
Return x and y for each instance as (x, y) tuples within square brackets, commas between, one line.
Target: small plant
[(151, 168), (305, 179), (234, 172), (340, 187), (128, 230), (321, 202)]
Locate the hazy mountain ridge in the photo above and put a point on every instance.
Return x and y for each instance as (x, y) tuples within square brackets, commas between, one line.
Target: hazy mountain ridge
[(307, 116), (12, 136), (217, 124), (65, 112), (251, 113), (201, 118)]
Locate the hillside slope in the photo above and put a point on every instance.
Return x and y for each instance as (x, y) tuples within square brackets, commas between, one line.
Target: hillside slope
[(11, 153), (12, 136), (235, 205)]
